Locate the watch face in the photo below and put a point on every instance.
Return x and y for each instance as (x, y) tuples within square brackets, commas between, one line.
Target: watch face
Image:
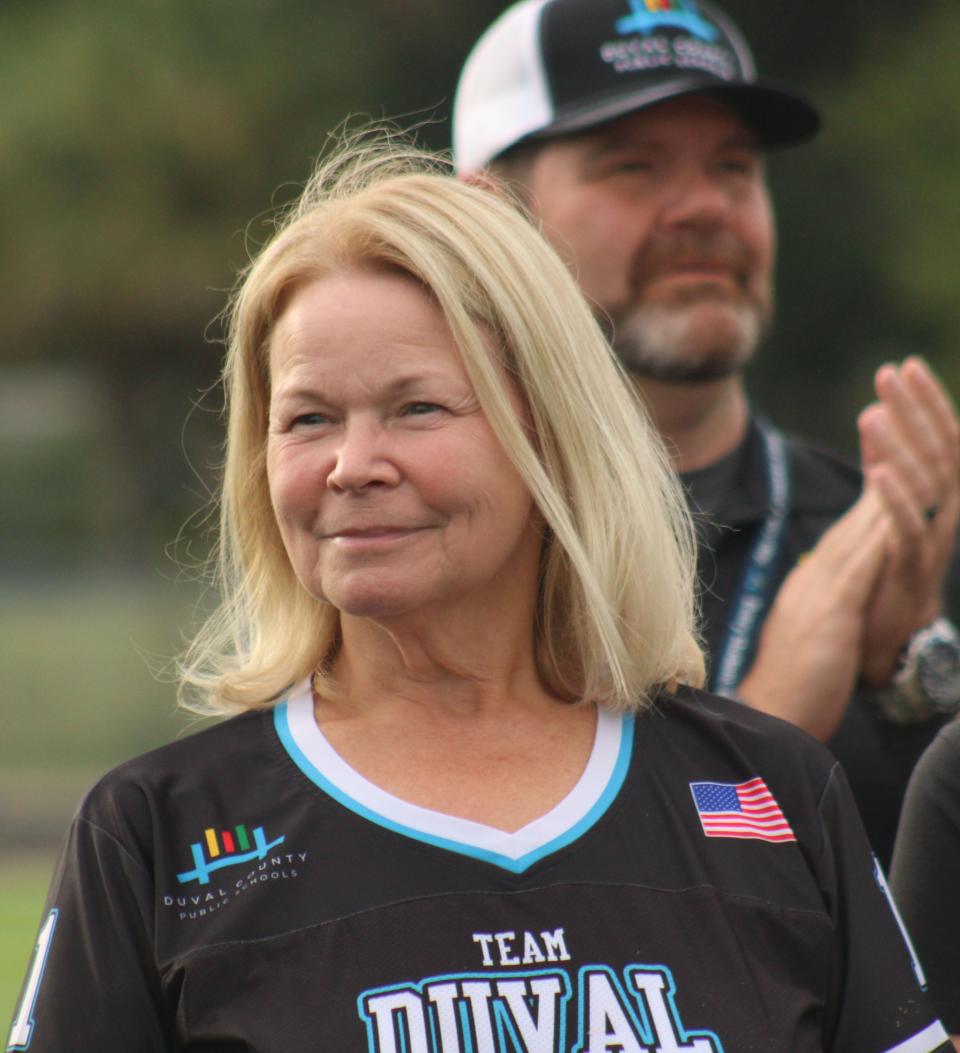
[(938, 673)]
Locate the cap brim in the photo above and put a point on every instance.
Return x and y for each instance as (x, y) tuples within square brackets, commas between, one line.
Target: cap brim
[(778, 116)]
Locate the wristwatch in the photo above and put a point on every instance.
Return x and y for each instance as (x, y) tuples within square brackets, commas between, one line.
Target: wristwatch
[(928, 681)]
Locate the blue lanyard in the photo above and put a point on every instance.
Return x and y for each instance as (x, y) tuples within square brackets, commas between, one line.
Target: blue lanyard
[(755, 586)]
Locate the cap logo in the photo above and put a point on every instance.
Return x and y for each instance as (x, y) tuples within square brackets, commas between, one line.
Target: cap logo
[(647, 15)]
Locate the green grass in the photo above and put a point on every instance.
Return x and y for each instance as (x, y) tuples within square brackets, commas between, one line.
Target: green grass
[(23, 888), (76, 665), (78, 698)]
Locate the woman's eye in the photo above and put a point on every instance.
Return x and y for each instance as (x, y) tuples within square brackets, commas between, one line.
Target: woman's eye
[(421, 409), (309, 420)]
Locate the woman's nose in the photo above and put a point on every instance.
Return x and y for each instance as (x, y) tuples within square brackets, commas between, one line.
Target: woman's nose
[(363, 458)]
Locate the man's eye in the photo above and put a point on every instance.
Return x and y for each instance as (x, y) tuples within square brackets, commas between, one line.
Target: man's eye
[(738, 165), (633, 165)]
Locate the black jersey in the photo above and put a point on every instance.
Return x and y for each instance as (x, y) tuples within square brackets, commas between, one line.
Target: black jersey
[(705, 887)]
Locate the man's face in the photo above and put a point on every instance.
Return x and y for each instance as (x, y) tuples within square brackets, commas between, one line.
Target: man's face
[(665, 219)]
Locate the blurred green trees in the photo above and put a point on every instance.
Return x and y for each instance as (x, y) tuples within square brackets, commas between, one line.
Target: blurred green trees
[(900, 121), (869, 220), (142, 143)]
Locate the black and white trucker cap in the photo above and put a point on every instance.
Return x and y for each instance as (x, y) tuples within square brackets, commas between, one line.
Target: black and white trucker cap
[(548, 67)]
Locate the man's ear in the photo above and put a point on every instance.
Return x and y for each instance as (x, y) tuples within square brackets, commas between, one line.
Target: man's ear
[(484, 179)]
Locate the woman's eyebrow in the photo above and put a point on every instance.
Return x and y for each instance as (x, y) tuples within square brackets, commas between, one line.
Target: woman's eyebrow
[(399, 385)]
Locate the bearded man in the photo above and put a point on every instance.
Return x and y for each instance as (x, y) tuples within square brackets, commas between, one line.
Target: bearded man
[(635, 132)]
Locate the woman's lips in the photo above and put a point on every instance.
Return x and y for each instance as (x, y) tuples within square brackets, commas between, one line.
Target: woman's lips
[(371, 537)]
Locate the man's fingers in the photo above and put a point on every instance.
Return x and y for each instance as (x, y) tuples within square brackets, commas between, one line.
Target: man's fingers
[(919, 432), (908, 445), (869, 429), (850, 555), (927, 387), (909, 531)]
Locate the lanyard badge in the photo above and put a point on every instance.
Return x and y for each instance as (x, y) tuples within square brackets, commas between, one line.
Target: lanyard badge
[(756, 582)]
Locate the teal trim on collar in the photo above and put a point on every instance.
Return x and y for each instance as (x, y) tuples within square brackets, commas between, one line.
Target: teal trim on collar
[(515, 865)]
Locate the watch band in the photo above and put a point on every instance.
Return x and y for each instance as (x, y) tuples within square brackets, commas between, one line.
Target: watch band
[(928, 681)]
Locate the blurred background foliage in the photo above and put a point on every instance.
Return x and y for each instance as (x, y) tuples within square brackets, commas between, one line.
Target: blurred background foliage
[(143, 144)]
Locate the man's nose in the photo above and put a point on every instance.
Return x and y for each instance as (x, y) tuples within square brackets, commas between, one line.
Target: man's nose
[(695, 197)]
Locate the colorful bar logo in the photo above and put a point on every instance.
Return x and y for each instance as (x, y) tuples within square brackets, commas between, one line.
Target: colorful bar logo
[(648, 15), (226, 849)]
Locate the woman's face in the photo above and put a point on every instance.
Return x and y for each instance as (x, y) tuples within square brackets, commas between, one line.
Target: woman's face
[(391, 490)]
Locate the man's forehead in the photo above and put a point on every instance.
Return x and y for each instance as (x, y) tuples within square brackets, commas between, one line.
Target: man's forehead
[(708, 119)]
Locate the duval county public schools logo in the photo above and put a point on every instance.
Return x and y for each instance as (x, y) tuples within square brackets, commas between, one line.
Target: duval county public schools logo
[(227, 849), (648, 15)]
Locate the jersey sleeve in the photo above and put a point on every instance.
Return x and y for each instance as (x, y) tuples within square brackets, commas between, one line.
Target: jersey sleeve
[(926, 870), (92, 983), (878, 998)]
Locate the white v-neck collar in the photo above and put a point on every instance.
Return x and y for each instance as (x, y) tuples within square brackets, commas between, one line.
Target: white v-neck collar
[(582, 807)]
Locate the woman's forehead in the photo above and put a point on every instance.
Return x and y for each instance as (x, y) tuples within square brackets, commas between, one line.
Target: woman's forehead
[(367, 321)]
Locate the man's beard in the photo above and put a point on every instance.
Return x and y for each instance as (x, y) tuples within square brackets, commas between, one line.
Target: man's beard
[(701, 333), (677, 344)]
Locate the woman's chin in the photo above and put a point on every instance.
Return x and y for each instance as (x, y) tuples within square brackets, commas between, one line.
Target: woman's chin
[(376, 601)]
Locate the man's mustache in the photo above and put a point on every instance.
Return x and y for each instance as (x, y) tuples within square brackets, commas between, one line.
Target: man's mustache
[(692, 250)]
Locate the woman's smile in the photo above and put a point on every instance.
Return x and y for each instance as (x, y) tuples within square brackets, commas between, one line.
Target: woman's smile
[(373, 538)]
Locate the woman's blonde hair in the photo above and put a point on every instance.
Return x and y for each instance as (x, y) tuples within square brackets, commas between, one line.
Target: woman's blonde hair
[(616, 615)]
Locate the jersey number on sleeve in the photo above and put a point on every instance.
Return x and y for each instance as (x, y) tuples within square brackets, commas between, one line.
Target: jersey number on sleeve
[(23, 1022)]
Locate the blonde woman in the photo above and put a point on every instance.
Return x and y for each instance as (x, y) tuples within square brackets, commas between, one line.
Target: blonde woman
[(472, 798)]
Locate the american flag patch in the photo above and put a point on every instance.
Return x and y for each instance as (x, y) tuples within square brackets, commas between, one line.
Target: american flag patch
[(743, 809)]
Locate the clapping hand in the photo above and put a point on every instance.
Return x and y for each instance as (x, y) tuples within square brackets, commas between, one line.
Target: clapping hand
[(910, 448)]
